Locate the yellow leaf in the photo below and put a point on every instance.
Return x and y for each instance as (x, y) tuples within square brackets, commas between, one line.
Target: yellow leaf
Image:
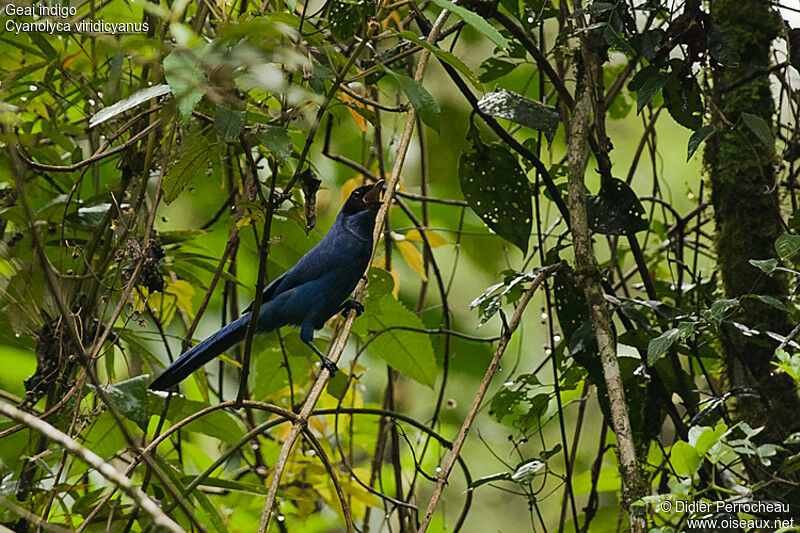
[(358, 119), (68, 61), (434, 239), (230, 360), (318, 424), (183, 292), (350, 101), (282, 433), (357, 492), (163, 305), (139, 302), (396, 278), (244, 222), (413, 257), (351, 185)]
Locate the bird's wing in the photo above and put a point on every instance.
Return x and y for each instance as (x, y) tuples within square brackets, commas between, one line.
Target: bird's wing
[(310, 267)]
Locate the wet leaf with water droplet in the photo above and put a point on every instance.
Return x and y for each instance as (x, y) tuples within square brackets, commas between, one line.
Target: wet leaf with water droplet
[(497, 190), (517, 108)]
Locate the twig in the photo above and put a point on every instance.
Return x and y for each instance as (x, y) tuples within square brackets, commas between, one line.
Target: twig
[(538, 56), (436, 331), (29, 516), (93, 460), (348, 519), (233, 241), (336, 353), (444, 473), (589, 278), (97, 157)]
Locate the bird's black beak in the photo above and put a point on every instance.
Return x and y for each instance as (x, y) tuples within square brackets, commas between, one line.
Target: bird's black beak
[(373, 196)]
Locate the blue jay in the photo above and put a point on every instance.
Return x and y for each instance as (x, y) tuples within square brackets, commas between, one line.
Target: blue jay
[(306, 295)]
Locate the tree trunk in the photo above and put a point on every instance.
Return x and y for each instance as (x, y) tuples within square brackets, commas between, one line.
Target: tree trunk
[(741, 169)]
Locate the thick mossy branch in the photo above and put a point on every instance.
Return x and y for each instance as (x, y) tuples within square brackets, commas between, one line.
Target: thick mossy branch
[(741, 169)]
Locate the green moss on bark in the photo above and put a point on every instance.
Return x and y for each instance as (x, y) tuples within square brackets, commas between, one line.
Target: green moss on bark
[(741, 170)]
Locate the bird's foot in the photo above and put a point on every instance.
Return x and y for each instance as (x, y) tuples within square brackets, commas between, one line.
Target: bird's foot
[(330, 365), (352, 304)]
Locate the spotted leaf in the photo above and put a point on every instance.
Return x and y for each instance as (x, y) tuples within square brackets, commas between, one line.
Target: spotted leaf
[(615, 210), (497, 190), (517, 108)]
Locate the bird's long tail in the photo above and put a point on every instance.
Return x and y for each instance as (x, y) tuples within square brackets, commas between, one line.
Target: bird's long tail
[(201, 353)]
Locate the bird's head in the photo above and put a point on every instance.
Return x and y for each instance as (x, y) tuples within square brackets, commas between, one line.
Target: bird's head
[(366, 198)]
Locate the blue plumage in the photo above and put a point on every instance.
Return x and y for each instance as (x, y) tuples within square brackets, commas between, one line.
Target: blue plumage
[(306, 295)]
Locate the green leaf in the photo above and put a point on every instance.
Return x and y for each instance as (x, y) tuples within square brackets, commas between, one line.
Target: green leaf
[(132, 101), (517, 108), (445, 56), (229, 123), (212, 512), (769, 300), (494, 68), (270, 373), (218, 424), (491, 299), (766, 451), (197, 151), (347, 17), (573, 317), (703, 438), (17, 42), (408, 352), (640, 77), (697, 139), (129, 397), (39, 40), (794, 220), (648, 42), (767, 266), (186, 80), (497, 190), (615, 210), (104, 436), (476, 21), (719, 310), (380, 282), (685, 329), (420, 98), (527, 471), (277, 141), (684, 459), (521, 404), (618, 41), (228, 484), (682, 98), (790, 364), (652, 80), (338, 385), (595, 8), (659, 346), (760, 128), (787, 244), (500, 476)]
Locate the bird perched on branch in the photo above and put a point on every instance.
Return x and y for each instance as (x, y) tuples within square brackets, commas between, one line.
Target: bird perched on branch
[(308, 294)]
